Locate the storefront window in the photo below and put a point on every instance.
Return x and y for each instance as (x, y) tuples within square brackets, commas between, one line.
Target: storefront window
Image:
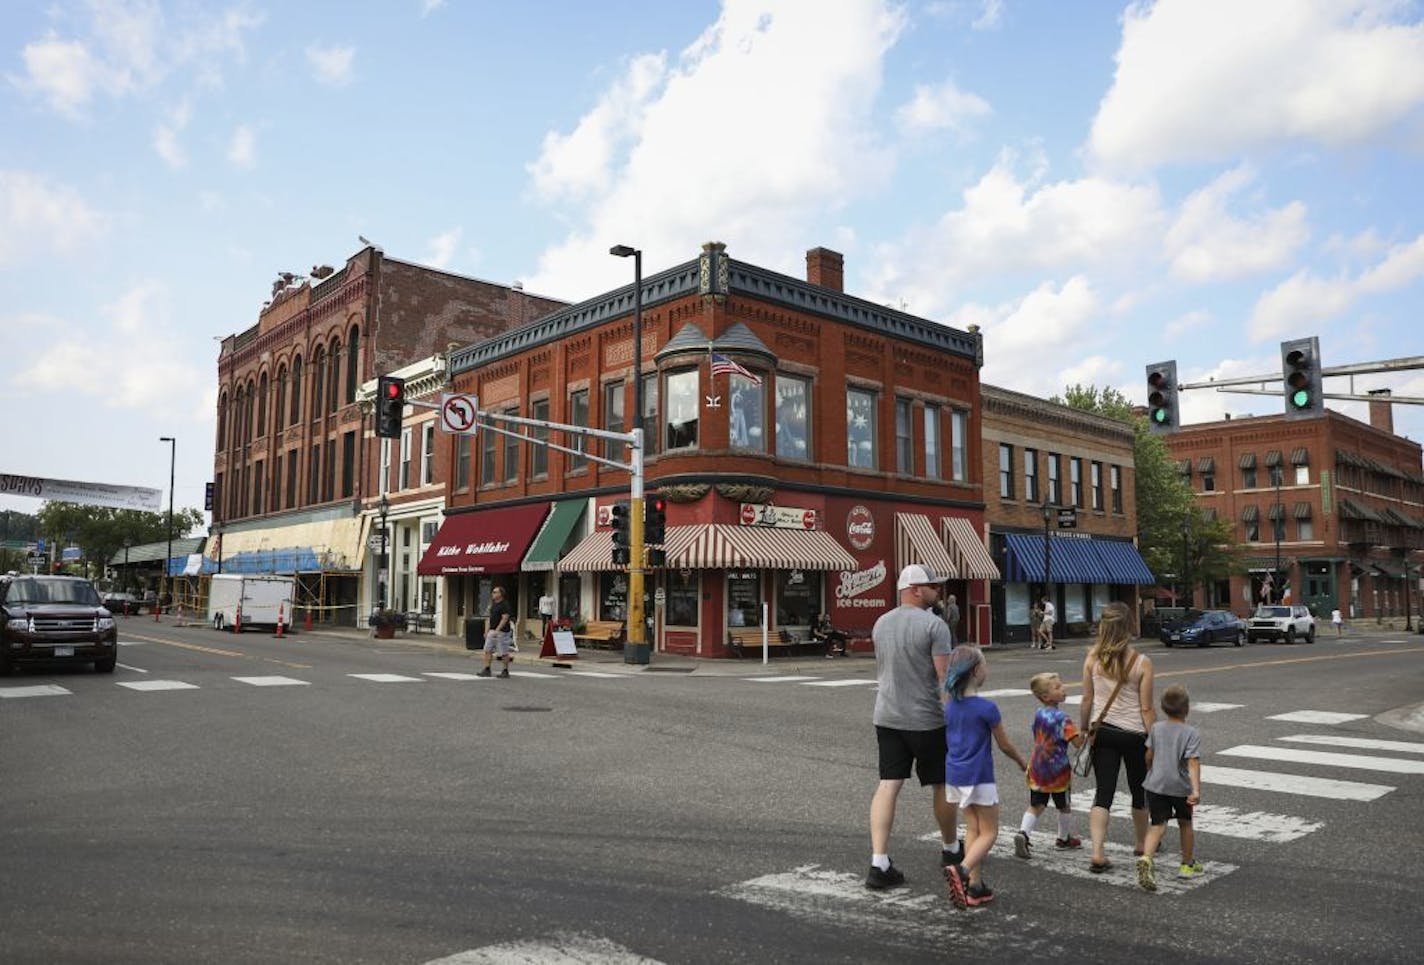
[(612, 596), (1100, 600), (860, 429), (570, 589), (747, 429), (681, 408), (793, 417), (743, 600), (1073, 604), (798, 596), (683, 598), (1016, 604), (536, 582)]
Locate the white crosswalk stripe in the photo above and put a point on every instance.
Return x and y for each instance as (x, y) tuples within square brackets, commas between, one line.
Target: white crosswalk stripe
[(1233, 823), (35, 690), (534, 676), (158, 685), (1360, 743), (840, 683), (273, 681), (1293, 784), (1010, 692), (595, 673), (1391, 765), (778, 680), (1317, 717), (386, 678), (454, 676)]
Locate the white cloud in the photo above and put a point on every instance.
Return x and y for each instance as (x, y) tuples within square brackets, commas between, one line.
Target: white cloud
[(1023, 338), (1186, 324), (36, 213), (442, 247), (166, 138), (242, 150), (990, 16), (63, 72), (649, 178), (427, 7), (1305, 299), (331, 66), (1211, 79), (944, 107), (1208, 244), (142, 308)]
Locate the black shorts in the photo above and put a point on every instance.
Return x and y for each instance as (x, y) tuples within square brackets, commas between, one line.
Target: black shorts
[(1162, 808), (899, 748), (1039, 799)]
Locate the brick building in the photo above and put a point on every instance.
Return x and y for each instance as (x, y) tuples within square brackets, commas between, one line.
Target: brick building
[(846, 447), (1347, 515), (294, 465), (1040, 458)]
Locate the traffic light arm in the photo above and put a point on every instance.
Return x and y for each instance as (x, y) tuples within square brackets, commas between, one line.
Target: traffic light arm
[(1403, 399)]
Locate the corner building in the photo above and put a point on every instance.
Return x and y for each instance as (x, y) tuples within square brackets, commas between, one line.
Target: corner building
[(834, 441)]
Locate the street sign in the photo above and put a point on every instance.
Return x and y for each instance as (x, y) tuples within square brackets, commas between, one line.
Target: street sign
[(457, 413), (1068, 518), (35, 559), (376, 542)]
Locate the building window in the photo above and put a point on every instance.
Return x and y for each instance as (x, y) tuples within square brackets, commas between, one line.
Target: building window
[(427, 454), (511, 453), (959, 445), (613, 396), (578, 416), (489, 445), (383, 484), (1305, 530), (328, 488), (1208, 481), (259, 489), (1253, 529), (1030, 464), (1278, 526), (296, 413), (747, 426), (539, 454), (348, 465), (1302, 475), (649, 423), (860, 429), (1096, 480), (612, 596), (262, 405), (744, 599), (462, 462), (1075, 481), (932, 466), (405, 441), (333, 381), (1248, 478), (1115, 481), (277, 479), (1006, 471), (904, 438), (314, 475), (680, 414), (318, 382), (291, 478), (353, 362), (798, 597), (682, 597), (1055, 482), (279, 411), (793, 417)]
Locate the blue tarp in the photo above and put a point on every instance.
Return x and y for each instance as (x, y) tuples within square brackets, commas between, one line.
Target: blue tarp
[(1074, 561), (295, 559)]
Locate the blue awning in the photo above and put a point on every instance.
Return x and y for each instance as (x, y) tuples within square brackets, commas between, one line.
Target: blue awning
[(1074, 561), (1123, 562), (1024, 559)]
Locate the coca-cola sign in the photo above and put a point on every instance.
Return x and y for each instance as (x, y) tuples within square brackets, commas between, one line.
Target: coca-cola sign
[(860, 527)]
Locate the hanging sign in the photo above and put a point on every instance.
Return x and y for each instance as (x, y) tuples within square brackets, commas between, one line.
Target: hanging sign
[(777, 517), (88, 493)]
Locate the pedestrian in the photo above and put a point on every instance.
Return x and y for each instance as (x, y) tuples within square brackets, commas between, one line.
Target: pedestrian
[(951, 616), (1050, 775), (1050, 616), (912, 648), (1338, 621), (546, 612), (1117, 714), (1173, 784), (969, 722), (499, 634), (1035, 625)]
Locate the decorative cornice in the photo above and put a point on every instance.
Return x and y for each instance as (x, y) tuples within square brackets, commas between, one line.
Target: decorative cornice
[(1039, 411)]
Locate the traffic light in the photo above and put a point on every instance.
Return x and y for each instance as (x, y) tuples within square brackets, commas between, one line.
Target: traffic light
[(1300, 370), (654, 521), (622, 534), (390, 406), (1162, 414)]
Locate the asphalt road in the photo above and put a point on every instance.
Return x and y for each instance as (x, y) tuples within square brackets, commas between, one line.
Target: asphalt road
[(223, 815)]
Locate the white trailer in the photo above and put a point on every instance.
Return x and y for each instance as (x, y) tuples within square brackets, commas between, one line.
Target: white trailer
[(237, 601)]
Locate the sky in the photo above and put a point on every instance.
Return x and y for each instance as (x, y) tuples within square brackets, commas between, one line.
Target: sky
[(1097, 185)]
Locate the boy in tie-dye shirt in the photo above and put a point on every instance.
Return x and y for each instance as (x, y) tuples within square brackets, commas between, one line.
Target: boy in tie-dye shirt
[(1050, 775)]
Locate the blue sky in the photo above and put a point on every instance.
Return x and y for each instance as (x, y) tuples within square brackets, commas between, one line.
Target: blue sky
[(1097, 185)]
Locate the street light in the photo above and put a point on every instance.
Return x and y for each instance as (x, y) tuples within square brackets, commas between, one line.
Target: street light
[(168, 560), (1047, 553), (1278, 523), (637, 650), (385, 505), (624, 251), (1186, 560)]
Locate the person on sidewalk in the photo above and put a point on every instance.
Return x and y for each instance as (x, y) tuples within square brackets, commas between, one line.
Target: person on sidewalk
[(951, 616), (1050, 616), (912, 648), (499, 633), (1338, 621)]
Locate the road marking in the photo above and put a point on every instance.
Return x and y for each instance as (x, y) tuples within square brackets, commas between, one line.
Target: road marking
[(1232, 823), (131, 643), (1317, 717), (595, 673), (839, 683), (158, 685), (1293, 784), (534, 676), (778, 680), (453, 676), (1075, 699), (127, 667), (273, 681), (1011, 692), (562, 949), (1360, 762), (193, 646), (1210, 708), (1362, 743), (37, 690), (386, 678)]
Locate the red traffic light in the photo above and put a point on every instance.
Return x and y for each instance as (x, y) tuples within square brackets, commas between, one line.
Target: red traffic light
[(393, 390)]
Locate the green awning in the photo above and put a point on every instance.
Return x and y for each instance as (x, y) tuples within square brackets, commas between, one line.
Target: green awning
[(549, 545)]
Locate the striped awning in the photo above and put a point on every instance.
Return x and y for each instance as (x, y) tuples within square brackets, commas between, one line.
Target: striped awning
[(1248, 461), (1249, 514), (593, 554), (917, 542), (1206, 464), (970, 554), (1074, 560), (1302, 511), (1185, 467), (1300, 457), (1276, 511), (1209, 514), (717, 546), (1273, 458)]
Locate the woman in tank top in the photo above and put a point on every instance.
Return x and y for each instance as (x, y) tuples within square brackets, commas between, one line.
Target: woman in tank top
[(1121, 739)]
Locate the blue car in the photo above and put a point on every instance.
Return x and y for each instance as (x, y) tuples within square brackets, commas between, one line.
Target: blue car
[(1211, 626)]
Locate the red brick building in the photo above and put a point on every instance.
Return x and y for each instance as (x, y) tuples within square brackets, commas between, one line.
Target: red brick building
[(846, 447)]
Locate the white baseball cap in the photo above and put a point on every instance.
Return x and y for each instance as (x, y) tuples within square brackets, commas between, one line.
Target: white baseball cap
[(916, 575)]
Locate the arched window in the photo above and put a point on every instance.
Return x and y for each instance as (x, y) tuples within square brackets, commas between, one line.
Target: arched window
[(296, 413), (279, 413), (333, 377), (251, 411), (222, 422), (353, 362), (262, 405), (318, 381)]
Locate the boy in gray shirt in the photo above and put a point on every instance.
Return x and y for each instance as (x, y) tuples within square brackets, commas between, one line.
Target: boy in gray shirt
[(1173, 784)]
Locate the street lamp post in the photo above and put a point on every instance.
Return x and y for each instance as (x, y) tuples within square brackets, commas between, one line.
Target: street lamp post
[(381, 562), (637, 650), (1186, 560), (1278, 523), (1047, 553), (168, 560)]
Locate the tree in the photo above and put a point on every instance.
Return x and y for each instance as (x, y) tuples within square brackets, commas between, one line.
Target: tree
[(101, 531)]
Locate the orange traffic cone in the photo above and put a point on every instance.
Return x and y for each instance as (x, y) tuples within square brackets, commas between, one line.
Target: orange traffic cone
[(307, 623), (279, 621), (237, 623)]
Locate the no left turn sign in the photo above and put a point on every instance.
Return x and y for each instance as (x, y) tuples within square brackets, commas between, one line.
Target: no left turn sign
[(457, 413)]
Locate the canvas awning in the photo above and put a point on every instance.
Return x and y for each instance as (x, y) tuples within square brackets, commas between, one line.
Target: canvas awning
[(917, 542), (1302, 511), (549, 544), (1300, 457), (487, 541), (1247, 461), (1273, 458), (1249, 514), (970, 554), (1206, 464), (720, 546)]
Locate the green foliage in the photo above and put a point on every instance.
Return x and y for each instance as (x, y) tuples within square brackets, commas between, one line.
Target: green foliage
[(101, 531)]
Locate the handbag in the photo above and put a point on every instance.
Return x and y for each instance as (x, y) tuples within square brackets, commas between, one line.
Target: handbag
[(1083, 753)]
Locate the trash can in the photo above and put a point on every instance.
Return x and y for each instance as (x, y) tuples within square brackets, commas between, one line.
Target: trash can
[(474, 633)]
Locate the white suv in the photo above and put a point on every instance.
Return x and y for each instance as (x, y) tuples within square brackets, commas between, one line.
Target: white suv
[(1287, 623)]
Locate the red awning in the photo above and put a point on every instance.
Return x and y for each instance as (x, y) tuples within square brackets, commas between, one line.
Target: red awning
[(488, 541)]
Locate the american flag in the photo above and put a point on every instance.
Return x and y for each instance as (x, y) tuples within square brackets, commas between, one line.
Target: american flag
[(721, 365)]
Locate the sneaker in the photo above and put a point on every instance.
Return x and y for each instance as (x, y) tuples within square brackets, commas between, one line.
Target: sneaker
[(980, 894), (1069, 843), (484, 673), (891, 877), (958, 880), (1145, 874), (1022, 848), (1190, 870), (504, 674), (947, 858)]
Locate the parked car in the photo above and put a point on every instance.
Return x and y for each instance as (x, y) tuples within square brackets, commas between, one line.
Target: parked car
[(1211, 626), (55, 618), (117, 601), (1281, 622)]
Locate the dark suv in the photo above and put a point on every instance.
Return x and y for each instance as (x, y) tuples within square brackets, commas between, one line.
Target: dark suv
[(54, 618)]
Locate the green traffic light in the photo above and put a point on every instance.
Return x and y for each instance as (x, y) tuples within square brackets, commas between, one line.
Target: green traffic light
[(1300, 398), (1159, 416)]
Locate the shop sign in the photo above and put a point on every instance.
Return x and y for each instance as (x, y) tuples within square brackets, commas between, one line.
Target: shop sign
[(854, 588), (860, 527), (777, 517)]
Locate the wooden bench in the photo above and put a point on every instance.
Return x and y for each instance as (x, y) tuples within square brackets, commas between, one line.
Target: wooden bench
[(744, 640), (601, 633)]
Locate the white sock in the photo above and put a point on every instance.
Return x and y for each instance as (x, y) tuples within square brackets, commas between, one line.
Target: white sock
[(949, 847), (881, 861), (1029, 822), (1065, 825)]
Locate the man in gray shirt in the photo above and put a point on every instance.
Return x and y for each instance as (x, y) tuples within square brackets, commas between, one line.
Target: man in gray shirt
[(912, 648)]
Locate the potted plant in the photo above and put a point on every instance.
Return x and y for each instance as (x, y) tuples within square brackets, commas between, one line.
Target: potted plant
[(385, 622)]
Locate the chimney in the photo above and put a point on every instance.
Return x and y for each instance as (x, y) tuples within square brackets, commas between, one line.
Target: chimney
[(826, 268), (1382, 412)]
